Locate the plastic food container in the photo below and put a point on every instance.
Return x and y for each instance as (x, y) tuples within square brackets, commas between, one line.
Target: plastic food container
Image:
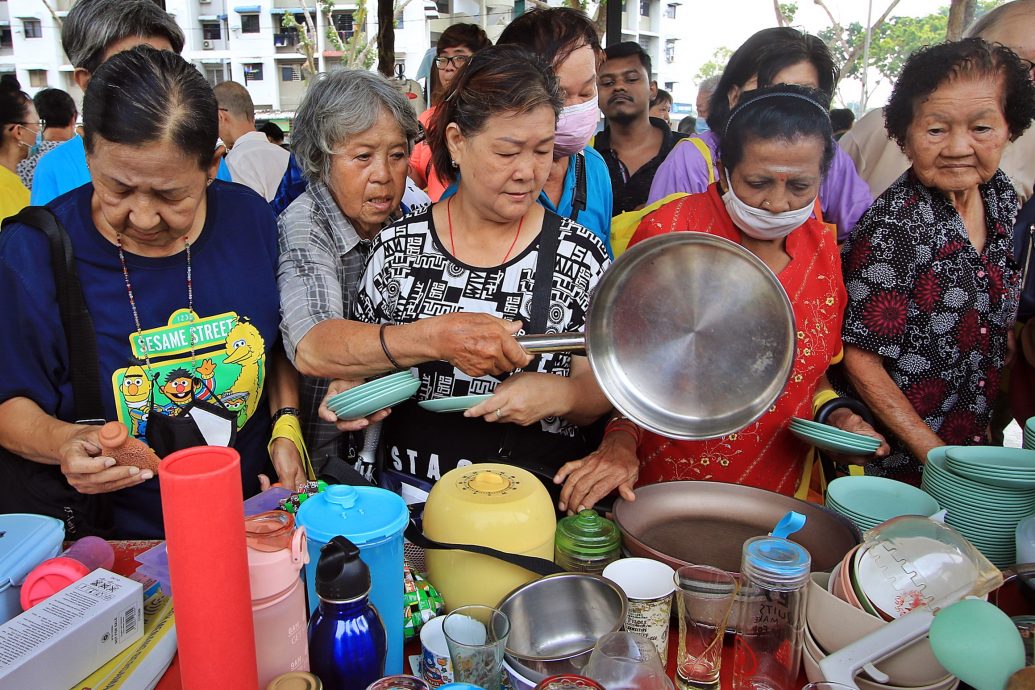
[(26, 540)]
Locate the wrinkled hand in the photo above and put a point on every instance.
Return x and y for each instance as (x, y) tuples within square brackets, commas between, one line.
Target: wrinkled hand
[(846, 420), (525, 398), (340, 386), (288, 464), (613, 465), (478, 344), (89, 472)]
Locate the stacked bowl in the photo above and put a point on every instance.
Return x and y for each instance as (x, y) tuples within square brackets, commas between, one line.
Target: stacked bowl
[(1029, 434), (375, 395), (833, 439), (987, 492), (869, 501)]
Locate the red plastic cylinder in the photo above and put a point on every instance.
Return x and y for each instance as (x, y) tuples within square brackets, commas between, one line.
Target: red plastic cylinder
[(203, 508)]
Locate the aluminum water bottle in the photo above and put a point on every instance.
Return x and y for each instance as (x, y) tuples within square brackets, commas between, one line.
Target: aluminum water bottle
[(347, 640), (771, 619)]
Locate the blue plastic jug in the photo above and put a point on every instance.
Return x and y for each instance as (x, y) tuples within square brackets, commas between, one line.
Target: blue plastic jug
[(374, 520)]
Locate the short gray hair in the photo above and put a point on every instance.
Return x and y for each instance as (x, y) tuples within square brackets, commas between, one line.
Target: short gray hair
[(338, 106), (93, 25), (987, 23), (709, 84)]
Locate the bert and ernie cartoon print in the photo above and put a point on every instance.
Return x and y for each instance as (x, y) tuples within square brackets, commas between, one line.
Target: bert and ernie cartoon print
[(228, 364)]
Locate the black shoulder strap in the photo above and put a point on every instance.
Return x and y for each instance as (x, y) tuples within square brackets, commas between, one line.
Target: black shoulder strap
[(549, 238), (539, 566), (84, 367), (578, 204)]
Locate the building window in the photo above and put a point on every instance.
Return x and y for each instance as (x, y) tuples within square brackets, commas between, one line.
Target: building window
[(215, 75), (670, 10), (5, 38), (286, 37), (38, 78), (33, 28), (211, 32), (670, 50), (644, 8), (249, 23), (291, 72), (344, 25), (252, 71), (670, 86)]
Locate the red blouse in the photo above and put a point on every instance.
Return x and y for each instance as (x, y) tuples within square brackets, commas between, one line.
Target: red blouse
[(764, 454)]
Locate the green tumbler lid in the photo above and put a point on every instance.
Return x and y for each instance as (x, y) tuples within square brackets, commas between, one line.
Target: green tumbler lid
[(587, 534)]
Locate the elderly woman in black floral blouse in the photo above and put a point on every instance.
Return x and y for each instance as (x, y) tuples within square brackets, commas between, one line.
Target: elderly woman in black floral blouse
[(932, 284)]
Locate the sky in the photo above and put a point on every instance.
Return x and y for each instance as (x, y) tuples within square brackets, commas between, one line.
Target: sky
[(710, 25)]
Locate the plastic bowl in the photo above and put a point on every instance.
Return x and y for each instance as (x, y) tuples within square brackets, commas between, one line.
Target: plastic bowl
[(555, 622), (834, 624)]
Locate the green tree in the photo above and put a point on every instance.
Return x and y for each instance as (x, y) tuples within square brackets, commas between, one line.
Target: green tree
[(714, 66)]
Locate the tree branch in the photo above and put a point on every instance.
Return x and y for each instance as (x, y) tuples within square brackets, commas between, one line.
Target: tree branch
[(854, 54)]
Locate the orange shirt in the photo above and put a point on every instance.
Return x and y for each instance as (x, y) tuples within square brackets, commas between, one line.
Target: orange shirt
[(420, 160), (765, 454)]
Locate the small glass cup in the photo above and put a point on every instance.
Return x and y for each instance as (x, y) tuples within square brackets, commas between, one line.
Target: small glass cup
[(627, 661), (477, 637), (704, 597)]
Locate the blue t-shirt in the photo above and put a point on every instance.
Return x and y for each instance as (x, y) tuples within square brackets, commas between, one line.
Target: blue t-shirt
[(596, 217), (236, 324), (63, 168)]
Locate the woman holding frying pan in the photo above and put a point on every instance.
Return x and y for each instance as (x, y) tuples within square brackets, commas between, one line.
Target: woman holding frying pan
[(776, 148), (489, 248)]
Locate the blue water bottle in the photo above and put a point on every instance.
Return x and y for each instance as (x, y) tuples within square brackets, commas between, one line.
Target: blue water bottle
[(347, 640)]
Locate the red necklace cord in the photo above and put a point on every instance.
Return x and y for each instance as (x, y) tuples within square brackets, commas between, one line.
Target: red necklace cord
[(452, 247)]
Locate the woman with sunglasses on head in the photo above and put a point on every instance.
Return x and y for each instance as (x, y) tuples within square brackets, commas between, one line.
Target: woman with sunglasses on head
[(21, 129), (455, 47)]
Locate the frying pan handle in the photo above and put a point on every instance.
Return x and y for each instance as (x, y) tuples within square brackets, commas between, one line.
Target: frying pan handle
[(553, 342)]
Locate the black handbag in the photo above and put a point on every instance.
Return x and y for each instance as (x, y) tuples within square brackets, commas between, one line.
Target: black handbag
[(32, 487)]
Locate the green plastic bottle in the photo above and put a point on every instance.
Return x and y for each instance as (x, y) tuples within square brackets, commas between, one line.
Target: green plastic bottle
[(586, 543)]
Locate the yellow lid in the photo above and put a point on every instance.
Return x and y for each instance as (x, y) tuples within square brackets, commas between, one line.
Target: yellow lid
[(297, 680)]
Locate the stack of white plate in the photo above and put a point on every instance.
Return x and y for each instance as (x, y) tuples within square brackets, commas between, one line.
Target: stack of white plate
[(375, 395), (987, 491), (833, 439), (869, 501)]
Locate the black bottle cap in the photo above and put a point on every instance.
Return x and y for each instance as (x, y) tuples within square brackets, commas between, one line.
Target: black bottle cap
[(341, 575)]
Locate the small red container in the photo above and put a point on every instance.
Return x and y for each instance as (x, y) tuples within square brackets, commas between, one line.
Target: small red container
[(568, 681)]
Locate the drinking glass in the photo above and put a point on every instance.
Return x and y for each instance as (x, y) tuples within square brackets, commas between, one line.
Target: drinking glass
[(627, 661), (477, 637), (704, 597)]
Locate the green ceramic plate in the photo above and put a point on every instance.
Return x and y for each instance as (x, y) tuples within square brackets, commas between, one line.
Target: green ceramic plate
[(376, 386), (879, 498), (378, 401), (457, 403)]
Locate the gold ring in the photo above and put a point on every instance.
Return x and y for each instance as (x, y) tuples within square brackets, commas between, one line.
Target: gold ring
[(499, 415)]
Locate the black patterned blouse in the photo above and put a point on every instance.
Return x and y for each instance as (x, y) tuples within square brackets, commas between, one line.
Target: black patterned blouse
[(937, 311)]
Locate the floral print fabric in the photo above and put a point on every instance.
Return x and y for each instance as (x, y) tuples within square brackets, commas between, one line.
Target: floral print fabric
[(923, 298)]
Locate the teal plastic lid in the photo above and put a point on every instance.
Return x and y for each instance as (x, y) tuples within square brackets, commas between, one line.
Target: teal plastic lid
[(361, 514), (775, 562), (587, 534)]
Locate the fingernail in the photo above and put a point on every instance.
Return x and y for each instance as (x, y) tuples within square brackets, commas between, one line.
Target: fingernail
[(147, 474), (134, 470), (110, 462), (564, 506)]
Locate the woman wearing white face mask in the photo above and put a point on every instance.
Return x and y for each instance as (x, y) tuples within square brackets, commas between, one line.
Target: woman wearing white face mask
[(20, 129), (579, 186), (775, 149)]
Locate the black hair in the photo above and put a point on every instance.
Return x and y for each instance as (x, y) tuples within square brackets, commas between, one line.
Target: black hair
[(688, 125), (841, 119), (273, 131), (552, 33), (784, 112), (629, 49), (662, 97), (501, 80), (14, 103), (142, 96), (470, 36), (55, 107), (931, 66), (764, 55)]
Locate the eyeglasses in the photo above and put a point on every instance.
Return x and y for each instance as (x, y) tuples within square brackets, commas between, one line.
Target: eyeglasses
[(40, 123), (456, 61)]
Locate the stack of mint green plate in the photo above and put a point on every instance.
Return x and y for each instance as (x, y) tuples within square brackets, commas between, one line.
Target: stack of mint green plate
[(1011, 468), (833, 439), (869, 501), (986, 514), (374, 395), (1029, 434), (457, 403)]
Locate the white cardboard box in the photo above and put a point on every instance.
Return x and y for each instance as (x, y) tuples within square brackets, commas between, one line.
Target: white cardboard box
[(60, 641)]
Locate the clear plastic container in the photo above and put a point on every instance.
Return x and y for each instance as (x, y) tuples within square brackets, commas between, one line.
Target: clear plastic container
[(586, 543), (771, 621)]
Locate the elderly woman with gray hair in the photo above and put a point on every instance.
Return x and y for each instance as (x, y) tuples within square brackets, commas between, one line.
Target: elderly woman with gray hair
[(352, 137)]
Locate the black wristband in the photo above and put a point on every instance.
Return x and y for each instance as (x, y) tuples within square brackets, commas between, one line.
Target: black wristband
[(293, 411), (384, 347)]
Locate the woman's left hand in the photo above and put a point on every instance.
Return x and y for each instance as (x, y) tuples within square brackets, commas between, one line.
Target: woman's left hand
[(288, 464), (846, 420), (525, 398)]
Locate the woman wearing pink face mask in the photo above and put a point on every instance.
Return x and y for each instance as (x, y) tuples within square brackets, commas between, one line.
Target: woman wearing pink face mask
[(579, 186)]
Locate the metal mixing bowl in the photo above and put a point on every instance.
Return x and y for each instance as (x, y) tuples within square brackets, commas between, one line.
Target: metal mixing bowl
[(556, 620)]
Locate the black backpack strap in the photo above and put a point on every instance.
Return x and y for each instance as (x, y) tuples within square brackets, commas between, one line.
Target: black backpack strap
[(578, 204), (84, 367), (549, 239)]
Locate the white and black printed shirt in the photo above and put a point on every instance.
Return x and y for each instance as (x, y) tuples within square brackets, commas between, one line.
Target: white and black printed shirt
[(410, 275)]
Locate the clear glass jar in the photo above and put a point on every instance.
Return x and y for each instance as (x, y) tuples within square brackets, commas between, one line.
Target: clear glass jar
[(771, 620)]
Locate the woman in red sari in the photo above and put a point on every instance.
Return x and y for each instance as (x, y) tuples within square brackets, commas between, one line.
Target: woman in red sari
[(776, 147)]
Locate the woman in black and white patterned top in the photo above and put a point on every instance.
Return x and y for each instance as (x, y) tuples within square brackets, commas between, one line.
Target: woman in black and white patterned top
[(480, 251)]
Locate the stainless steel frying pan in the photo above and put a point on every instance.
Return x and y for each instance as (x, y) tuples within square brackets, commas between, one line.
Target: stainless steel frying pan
[(688, 334)]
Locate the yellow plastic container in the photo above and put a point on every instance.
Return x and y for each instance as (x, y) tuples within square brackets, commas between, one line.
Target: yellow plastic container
[(489, 504)]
